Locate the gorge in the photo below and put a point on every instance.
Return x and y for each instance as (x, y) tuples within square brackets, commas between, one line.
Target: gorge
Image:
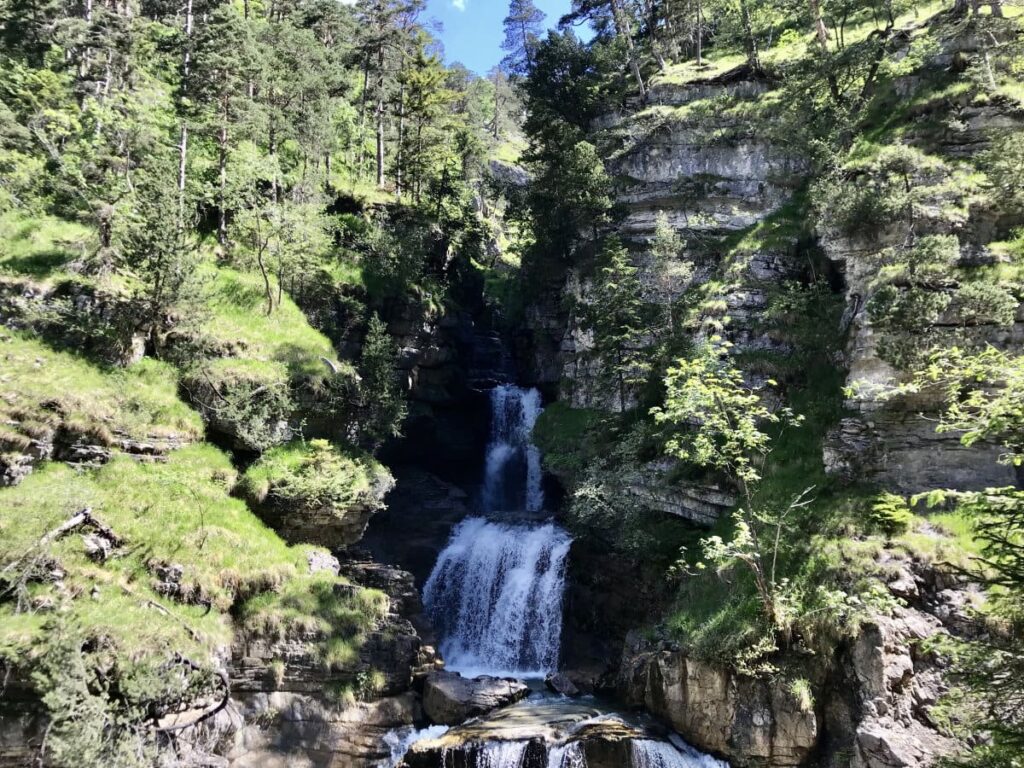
[(654, 401)]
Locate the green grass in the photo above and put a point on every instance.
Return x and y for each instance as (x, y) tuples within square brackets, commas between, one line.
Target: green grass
[(316, 473), (41, 387), (177, 512), (41, 246), (510, 151), (240, 325)]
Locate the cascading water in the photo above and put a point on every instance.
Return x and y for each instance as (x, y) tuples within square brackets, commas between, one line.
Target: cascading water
[(495, 593), (567, 756), (496, 598), (512, 477), (648, 753), (502, 754)]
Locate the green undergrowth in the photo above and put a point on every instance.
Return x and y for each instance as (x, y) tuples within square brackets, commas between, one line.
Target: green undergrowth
[(568, 437), (316, 473), (43, 245), (43, 388)]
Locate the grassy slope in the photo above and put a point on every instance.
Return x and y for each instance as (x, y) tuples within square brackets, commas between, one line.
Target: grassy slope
[(179, 511)]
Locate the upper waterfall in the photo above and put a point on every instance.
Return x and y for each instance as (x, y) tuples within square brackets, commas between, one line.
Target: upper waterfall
[(512, 475)]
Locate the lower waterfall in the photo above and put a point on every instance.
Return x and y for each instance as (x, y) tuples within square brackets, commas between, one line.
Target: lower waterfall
[(495, 597)]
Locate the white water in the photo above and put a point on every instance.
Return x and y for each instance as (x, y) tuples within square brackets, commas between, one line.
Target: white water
[(399, 740), (502, 754), (567, 756), (648, 753), (495, 596), (512, 476)]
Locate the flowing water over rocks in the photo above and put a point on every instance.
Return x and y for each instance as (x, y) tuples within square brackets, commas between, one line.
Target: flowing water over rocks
[(495, 597)]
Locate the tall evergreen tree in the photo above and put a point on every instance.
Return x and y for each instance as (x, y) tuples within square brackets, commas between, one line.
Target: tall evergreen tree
[(524, 26)]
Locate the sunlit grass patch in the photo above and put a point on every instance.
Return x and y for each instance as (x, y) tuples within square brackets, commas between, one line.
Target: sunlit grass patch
[(41, 387)]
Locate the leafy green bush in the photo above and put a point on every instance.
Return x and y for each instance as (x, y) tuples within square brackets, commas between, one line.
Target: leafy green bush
[(890, 515)]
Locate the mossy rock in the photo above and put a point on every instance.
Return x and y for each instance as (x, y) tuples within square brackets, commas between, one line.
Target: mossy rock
[(317, 492)]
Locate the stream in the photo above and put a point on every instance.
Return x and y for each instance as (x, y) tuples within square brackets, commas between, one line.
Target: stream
[(495, 597)]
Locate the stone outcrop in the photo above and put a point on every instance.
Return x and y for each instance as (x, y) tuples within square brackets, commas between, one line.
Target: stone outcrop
[(871, 707), (699, 503), (744, 719), (105, 324), (288, 730), (282, 713), (450, 699), (327, 524)]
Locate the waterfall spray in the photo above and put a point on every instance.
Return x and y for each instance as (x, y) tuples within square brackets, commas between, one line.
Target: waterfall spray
[(495, 596)]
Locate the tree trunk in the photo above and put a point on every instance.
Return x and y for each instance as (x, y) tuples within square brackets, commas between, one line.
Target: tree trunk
[(360, 161), (380, 116), (401, 142), (819, 25), (623, 29), (700, 35), (222, 193), (186, 61), (749, 41)]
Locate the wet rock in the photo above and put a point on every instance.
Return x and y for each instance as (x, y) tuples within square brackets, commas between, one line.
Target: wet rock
[(562, 684), (450, 699)]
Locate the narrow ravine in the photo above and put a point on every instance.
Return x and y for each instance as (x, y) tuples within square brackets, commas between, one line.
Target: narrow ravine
[(495, 598)]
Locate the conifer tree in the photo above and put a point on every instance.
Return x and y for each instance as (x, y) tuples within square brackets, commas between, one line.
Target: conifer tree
[(523, 31)]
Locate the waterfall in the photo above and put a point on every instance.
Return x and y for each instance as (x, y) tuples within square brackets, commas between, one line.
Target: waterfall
[(567, 756), (648, 753), (512, 477), (502, 754), (495, 596), (399, 740)]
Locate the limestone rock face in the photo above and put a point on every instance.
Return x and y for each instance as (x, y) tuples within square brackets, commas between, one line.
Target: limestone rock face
[(288, 729), (699, 503), (897, 684), (746, 720), (871, 708), (450, 699)]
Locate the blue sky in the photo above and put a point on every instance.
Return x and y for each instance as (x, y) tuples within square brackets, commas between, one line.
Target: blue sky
[(472, 31)]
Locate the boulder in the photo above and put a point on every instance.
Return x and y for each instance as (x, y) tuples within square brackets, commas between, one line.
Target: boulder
[(560, 683), (450, 699)]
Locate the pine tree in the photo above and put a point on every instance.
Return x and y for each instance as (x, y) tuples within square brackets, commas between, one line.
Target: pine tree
[(619, 319), (523, 31), (381, 397)]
